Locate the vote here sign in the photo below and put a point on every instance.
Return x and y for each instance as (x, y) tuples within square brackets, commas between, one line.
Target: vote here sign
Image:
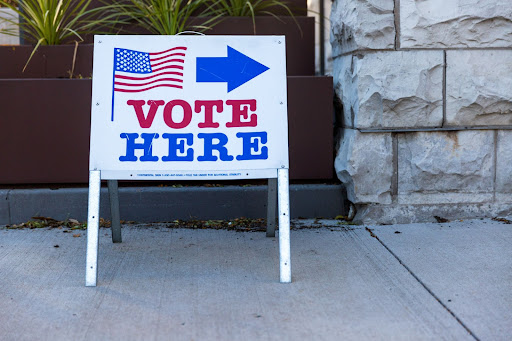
[(189, 107)]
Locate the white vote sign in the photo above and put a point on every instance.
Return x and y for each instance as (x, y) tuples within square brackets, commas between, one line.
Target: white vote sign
[(189, 107)]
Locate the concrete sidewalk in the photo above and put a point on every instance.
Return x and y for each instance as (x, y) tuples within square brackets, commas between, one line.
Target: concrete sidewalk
[(401, 282)]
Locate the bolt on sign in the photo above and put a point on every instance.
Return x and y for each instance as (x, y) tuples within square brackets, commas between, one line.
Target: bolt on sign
[(188, 108)]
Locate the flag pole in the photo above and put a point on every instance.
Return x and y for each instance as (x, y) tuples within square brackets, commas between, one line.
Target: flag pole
[(113, 85)]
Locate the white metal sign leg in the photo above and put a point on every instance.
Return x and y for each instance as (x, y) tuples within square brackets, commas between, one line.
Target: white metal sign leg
[(91, 270), (285, 269)]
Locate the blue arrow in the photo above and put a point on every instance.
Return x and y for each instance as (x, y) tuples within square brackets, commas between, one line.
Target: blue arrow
[(235, 69)]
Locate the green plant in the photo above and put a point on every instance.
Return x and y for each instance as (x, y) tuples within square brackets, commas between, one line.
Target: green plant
[(53, 22), (7, 1), (164, 17), (249, 8)]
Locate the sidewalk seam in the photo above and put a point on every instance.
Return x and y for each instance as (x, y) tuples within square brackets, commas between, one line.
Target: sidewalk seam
[(422, 284)]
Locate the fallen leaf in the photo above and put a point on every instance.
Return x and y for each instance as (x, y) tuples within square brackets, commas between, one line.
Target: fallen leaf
[(105, 223), (45, 218), (76, 235), (503, 220), (441, 220)]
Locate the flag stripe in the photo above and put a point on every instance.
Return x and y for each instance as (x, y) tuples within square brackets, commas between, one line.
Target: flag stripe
[(168, 61), (169, 67), (138, 83), (170, 55), (173, 49), (151, 82), (149, 77), (152, 87)]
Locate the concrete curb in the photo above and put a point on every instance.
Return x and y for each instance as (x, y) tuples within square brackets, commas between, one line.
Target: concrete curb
[(406, 214), (154, 204)]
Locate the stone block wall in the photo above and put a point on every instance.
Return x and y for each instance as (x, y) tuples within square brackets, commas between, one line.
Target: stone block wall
[(425, 94)]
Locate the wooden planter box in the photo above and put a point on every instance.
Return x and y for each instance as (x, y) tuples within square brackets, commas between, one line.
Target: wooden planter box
[(57, 61), (44, 130), (47, 62), (45, 117), (45, 126), (310, 127)]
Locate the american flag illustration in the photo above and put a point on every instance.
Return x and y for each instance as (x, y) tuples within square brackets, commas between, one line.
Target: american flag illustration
[(136, 71)]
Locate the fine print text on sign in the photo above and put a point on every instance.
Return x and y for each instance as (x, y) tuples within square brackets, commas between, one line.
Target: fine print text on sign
[(189, 107)]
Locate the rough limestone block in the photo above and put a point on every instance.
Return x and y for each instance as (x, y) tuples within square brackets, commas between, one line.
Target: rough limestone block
[(365, 165), (445, 167), (5, 39), (362, 24), (396, 89), (461, 23), (345, 79), (479, 88), (504, 167)]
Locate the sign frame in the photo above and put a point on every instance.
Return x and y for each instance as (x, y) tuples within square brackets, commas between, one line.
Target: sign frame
[(258, 106), (277, 173)]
